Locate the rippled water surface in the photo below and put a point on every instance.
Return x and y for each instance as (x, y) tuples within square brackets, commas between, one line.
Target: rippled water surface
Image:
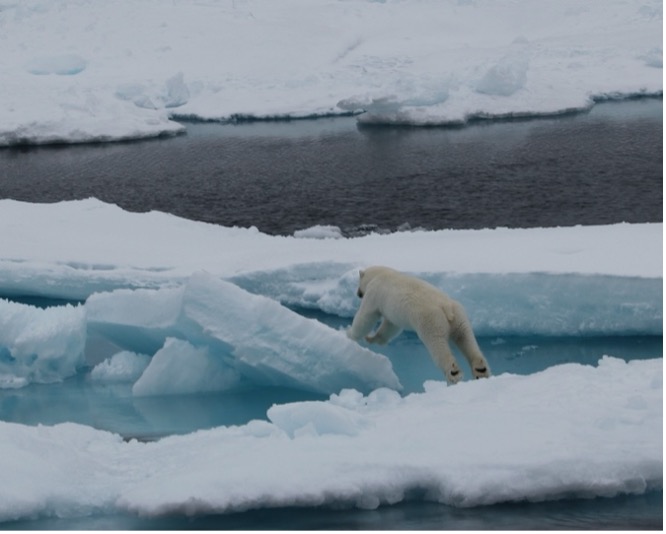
[(601, 167)]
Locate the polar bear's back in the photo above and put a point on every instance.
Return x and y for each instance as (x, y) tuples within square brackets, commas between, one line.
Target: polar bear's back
[(390, 279), (403, 299)]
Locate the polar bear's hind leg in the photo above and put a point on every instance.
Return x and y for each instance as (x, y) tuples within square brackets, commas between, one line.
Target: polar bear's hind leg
[(466, 342), (438, 347)]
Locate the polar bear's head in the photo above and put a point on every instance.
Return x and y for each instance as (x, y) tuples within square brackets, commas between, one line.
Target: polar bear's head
[(365, 276)]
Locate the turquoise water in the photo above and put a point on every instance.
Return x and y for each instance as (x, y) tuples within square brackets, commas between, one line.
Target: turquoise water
[(112, 407)]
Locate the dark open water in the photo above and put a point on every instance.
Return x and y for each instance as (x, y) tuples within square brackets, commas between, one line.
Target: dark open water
[(596, 168), (601, 167)]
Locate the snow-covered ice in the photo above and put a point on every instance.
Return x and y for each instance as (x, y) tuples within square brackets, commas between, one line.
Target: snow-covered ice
[(206, 304), (208, 335), (78, 71), (64, 250), (222, 292), (569, 431)]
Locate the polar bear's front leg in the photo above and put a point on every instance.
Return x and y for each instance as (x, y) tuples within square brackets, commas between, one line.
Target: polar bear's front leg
[(366, 317), (386, 331)]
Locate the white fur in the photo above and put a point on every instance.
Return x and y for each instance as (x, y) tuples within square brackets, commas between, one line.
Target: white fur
[(403, 302)]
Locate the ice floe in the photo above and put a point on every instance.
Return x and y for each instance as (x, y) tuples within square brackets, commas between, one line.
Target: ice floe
[(225, 291), (80, 71), (569, 431)]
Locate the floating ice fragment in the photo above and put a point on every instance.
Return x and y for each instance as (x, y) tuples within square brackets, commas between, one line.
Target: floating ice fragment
[(8, 381), (180, 368), (40, 345), (124, 366), (264, 341), (320, 232)]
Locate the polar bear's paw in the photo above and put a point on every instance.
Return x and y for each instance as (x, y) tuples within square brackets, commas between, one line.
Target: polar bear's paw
[(454, 374), (379, 340), (480, 370)]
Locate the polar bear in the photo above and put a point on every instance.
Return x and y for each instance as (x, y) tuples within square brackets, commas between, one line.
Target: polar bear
[(403, 302)]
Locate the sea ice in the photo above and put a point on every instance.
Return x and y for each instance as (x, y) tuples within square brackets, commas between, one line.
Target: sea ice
[(570, 431), (502, 304), (204, 335), (221, 331), (54, 250), (542, 281), (40, 345), (123, 69)]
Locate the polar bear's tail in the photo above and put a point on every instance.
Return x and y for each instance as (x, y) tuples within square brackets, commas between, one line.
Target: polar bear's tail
[(448, 307)]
